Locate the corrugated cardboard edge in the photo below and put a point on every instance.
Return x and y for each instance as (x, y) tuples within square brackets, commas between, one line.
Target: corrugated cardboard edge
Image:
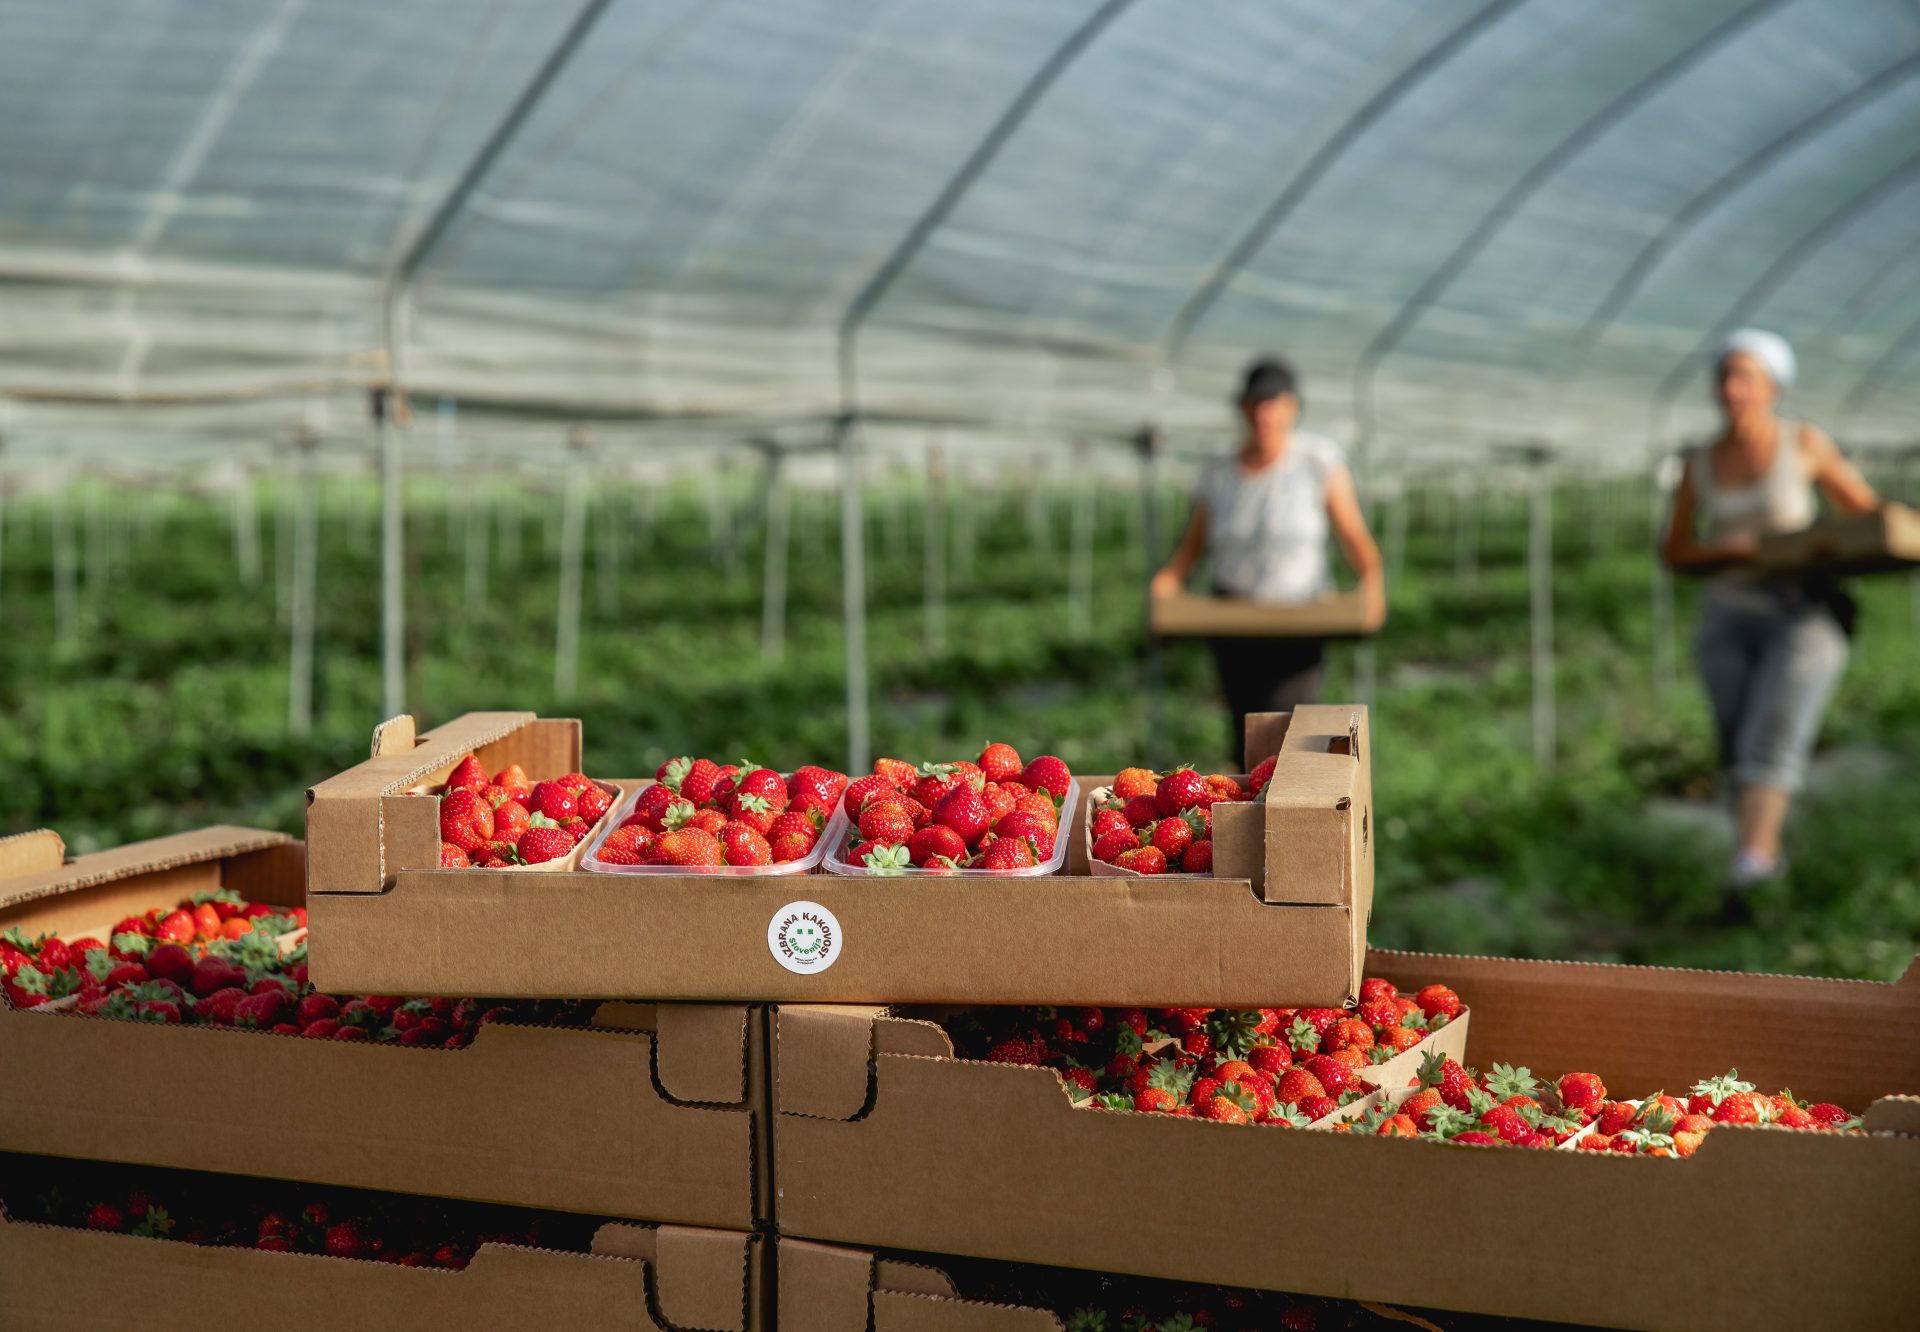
[(134, 859), (703, 1281), (1318, 821), (37, 852), (700, 1052)]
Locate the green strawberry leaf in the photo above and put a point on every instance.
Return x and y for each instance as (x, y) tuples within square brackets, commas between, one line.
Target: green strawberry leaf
[(133, 945)]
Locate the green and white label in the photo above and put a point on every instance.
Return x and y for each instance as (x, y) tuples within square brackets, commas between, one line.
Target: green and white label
[(804, 937)]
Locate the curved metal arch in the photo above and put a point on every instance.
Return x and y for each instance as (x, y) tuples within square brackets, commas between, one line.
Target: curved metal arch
[(1790, 260), (883, 278), (1536, 176), (1875, 377), (1343, 138), (1629, 284)]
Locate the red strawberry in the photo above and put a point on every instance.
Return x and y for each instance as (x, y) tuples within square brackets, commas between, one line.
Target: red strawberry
[(1140, 811), (105, 1216), (649, 811), (170, 962), (1142, 860), (690, 848), (1375, 988), (691, 778), (934, 841), (1109, 820), (865, 789), (221, 1006), (574, 781), (1828, 1114), (1583, 1092), (349, 1239), (1270, 1059), (822, 784), (1183, 788), (452, 857), (262, 1010), (897, 771), (1262, 774), (999, 762), (1111, 844), (466, 820), (212, 973), (591, 802), (1032, 829), (1016, 1050), (1008, 853), (1332, 1075), (557, 802), (743, 845), (887, 821), (1296, 1085), (175, 927), (538, 845), (1048, 774), (1173, 836), (633, 839), (514, 778), (510, 819), (1199, 857), (963, 810), (467, 775), (1437, 1000)]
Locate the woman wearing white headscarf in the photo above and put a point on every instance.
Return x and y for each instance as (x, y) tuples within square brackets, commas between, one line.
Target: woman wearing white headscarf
[(1771, 647)]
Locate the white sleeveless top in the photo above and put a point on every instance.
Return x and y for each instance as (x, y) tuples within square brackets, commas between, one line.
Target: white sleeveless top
[(1781, 500), (1267, 530)]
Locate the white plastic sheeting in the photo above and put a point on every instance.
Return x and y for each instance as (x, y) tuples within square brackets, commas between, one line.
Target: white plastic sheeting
[(1470, 222)]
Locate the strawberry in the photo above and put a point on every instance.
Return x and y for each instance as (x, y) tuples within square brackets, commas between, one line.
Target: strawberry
[(1183, 788), (1142, 860), (1002, 802), (789, 845), (175, 927), (1016, 1050), (1297, 1085), (574, 781), (866, 788), (1221, 787), (1031, 829), (1172, 836), (1334, 1077), (1109, 820), (963, 810), (823, 784), (741, 844), (887, 821), (1262, 774), (1454, 1082), (1008, 853), (999, 762), (1140, 811), (632, 839), (1150, 1099), (1134, 782), (936, 841), (514, 778), (467, 775), (898, 772), (262, 1010), (213, 973), (935, 780), (349, 1239), (1048, 774), (694, 848), (105, 1216), (1742, 1107), (1438, 1000), (1374, 989), (537, 845), (1270, 1059), (591, 803), (1199, 858), (711, 820), (557, 802), (510, 819), (466, 820), (1111, 844), (649, 811), (1829, 1115), (693, 779), (1583, 1092), (452, 857), (1225, 1109)]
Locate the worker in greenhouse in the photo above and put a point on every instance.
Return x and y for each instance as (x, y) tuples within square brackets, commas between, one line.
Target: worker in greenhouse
[(1771, 646), (1262, 514)]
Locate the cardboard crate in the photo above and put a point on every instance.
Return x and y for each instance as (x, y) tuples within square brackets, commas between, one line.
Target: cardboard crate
[(1337, 615), (654, 1113), (1880, 542), (669, 1278), (1289, 914), (832, 1288), (881, 1138)]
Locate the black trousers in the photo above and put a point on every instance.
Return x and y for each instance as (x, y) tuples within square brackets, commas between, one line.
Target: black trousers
[(1266, 675)]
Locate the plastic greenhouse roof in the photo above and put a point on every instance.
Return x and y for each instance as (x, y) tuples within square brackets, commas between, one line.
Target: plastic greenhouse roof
[(1469, 222)]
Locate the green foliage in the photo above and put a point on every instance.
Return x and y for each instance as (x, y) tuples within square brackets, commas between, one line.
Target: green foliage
[(166, 707)]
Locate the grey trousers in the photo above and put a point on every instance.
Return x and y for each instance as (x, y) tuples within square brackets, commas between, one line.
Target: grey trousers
[(1770, 659)]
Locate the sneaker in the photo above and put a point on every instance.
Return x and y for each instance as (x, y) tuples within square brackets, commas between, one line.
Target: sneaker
[(1750, 869)]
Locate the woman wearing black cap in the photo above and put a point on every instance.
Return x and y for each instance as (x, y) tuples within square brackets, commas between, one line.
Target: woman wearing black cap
[(1263, 514)]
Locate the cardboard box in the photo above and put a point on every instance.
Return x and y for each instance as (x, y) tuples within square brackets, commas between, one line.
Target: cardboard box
[(671, 1278), (1337, 615), (1289, 916), (830, 1288), (654, 1113), (881, 1138), (1881, 542)]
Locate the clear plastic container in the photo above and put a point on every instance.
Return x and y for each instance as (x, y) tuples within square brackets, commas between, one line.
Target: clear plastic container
[(836, 828), (1051, 865)]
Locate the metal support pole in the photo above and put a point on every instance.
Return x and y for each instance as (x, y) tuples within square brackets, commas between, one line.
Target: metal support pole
[(476, 552), (246, 533), (1466, 529), (853, 594), (283, 521), (773, 588), (304, 566), (1149, 444), (966, 532), (1039, 525), (98, 557), (66, 591), (605, 530), (1666, 475), (573, 541), (1080, 559), (393, 587), (508, 514), (1540, 588), (933, 549)]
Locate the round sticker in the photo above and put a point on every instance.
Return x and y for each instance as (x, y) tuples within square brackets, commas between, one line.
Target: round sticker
[(804, 937)]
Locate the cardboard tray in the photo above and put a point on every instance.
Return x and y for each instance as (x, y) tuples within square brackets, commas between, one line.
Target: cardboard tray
[(881, 1138), (1288, 913), (1184, 615), (654, 1113), (667, 1278), (1881, 542)]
